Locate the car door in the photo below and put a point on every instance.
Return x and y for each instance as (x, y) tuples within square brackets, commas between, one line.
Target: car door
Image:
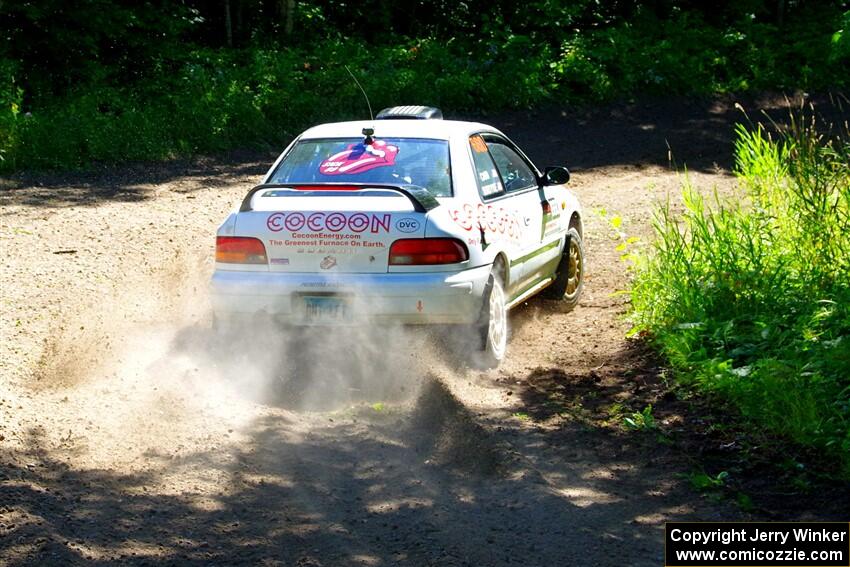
[(523, 194), (494, 216)]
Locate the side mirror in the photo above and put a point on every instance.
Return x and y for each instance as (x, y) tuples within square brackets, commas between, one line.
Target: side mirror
[(556, 175)]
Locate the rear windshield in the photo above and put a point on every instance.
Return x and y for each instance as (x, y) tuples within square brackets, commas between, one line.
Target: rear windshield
[(393, 161)]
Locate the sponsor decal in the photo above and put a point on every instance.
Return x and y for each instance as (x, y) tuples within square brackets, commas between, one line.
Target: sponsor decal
[(478, 144), (316, 242), (280, 261), (327, 262), (551, 221), (333, 222), (275, 222), (487, 218), (358, 158), (407, 224)]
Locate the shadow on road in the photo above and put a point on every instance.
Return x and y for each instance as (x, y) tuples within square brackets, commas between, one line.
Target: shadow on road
[(587, 408), (419, 488), (131, 183), (697, 133)]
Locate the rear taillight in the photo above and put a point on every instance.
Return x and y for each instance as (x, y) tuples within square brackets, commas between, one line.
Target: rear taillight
[(419, 251), (239, 250)]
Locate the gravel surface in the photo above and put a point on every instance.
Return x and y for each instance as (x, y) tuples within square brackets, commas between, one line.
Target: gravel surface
[(129, 432)]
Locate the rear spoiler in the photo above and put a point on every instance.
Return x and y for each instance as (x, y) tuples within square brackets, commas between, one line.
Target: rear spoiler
[(422, 199)]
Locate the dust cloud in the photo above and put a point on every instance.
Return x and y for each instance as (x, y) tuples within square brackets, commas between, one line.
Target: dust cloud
[(150, 374)]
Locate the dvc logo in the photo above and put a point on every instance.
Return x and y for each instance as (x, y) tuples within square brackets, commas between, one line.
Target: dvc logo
[(407, 224)]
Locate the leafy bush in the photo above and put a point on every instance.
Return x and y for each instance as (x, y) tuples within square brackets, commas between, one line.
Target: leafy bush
[(219, 99), (840, 40), (10, 109), (190, 99), (684, 55), (750, 298)]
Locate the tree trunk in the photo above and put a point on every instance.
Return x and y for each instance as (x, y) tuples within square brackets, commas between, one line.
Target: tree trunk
[(288, 16), (228, 24), (239, 30)]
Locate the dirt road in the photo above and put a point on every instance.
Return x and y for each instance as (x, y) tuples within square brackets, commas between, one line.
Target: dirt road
[(129, 432)]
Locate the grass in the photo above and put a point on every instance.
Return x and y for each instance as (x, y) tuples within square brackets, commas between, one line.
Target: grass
[(749, 299)]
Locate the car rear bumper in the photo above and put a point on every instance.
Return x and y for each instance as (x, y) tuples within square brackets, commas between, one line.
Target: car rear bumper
[(408, 298)]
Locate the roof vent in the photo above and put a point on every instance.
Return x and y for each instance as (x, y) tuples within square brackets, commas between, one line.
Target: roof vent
[(410, 113)]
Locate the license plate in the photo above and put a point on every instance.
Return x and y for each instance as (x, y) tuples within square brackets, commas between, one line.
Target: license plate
[(325, 309)]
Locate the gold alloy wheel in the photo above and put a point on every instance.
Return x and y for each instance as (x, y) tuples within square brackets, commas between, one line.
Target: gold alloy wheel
[(575, 268)]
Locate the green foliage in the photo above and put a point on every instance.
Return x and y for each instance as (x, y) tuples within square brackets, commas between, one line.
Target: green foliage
[(840, 41), (60, 45), (641, 420), (750, 298), (115, 81), (218, 99), (684, 55), (703, 482), (10, 109)]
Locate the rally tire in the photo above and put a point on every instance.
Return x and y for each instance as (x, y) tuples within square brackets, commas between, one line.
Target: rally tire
[(492, 327), (566, 290)]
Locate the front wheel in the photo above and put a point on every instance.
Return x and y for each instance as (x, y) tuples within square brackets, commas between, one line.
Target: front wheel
[(565, 291)]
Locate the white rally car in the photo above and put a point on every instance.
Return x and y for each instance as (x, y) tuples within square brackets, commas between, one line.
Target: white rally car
[(408, 218)]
